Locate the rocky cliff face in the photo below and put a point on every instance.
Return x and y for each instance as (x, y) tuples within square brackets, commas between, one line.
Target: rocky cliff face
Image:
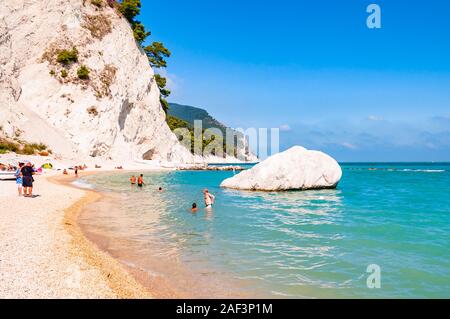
[(115, 114)]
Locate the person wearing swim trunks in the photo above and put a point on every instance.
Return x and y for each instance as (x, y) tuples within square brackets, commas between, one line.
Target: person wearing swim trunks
[(140, 180), (27, 180), (209, 198), (133, 180)]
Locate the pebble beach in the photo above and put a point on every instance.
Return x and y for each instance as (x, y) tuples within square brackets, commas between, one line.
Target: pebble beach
[(45, 255)]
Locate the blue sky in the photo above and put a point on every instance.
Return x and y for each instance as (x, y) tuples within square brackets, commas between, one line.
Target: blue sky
[(315, 70)]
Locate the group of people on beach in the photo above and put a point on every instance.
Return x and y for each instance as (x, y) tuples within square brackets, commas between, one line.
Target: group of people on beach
[(207, 196), (75, 169), (7, 168), (24, 179)]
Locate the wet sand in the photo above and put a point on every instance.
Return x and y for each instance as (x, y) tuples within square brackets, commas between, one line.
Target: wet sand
[(118, 279)]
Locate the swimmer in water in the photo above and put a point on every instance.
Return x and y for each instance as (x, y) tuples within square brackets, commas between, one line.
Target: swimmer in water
[(209, 198), (140, 180), (133, 180), (194, 208)]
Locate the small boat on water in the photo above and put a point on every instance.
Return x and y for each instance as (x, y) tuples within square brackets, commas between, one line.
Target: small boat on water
[(7, 175)]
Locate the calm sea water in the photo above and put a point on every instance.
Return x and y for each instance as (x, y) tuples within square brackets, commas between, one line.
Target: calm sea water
[(292, 244)]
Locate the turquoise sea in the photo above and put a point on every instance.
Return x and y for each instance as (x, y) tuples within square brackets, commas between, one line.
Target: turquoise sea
[(310, 244)]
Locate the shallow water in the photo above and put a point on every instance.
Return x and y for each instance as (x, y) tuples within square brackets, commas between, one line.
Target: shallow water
[(291, 244)]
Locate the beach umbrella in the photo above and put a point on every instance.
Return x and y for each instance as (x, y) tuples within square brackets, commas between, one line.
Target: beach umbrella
[(47, 166)]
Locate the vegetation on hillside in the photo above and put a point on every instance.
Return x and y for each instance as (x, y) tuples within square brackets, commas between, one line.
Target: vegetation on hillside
[(130, 9), (204, 140), (156, 52), (21, 147), (161, 82), (83, 72), (66, 57), (99, 24), (175, 122), (92, 110), (97, 3), (191, 113)]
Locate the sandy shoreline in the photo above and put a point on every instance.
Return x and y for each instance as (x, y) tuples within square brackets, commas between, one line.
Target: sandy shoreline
[(44, 253), (118, 279)]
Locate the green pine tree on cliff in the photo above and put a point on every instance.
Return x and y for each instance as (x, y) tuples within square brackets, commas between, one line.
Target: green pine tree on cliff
[(156, 52)]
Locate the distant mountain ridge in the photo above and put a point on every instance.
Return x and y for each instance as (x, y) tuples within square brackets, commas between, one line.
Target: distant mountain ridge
[(191, 113), (180, 114)]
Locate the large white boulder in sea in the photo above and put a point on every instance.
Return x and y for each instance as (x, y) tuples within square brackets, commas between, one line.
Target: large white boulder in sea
[(294, 169)]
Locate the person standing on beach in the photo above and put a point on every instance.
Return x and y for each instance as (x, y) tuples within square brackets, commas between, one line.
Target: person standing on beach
[(209, 198), (19, 180), (76, 171), (27, 180), (141, 180)]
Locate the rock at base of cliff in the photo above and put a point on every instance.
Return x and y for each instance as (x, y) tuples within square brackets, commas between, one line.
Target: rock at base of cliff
[(294, 169)]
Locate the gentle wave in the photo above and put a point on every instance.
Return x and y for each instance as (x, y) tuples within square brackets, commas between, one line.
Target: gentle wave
[(82, 184)]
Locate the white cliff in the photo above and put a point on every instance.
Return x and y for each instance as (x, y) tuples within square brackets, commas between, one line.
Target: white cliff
[(294, 169), (115, 114)]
